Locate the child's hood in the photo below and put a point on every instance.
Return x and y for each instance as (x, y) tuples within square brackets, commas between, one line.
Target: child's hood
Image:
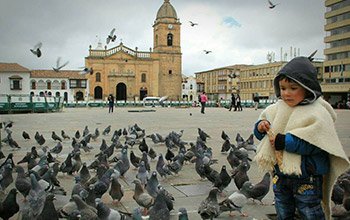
[(301, 70)]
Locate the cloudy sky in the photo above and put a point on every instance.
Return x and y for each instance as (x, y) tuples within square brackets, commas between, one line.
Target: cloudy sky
[(237, 31)]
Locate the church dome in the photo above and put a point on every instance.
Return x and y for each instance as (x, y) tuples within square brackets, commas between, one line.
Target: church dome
[(166, 11)]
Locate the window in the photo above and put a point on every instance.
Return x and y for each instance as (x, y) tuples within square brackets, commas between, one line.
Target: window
[(77, 83), (191, 86), (143, 77), (41, 84), (48, 84), (55, 85), (63, 85), (16, 84), (170, 71), (98, 77), (170, 40), (183, 86), (33, 85)]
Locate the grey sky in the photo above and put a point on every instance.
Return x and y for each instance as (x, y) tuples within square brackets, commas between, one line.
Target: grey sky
[(237, 31)]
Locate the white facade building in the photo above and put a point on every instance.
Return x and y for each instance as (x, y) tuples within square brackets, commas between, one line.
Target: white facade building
[(189, 88), (14, 79)]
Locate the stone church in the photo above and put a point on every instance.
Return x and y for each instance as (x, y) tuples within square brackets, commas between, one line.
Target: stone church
[(129, 74)]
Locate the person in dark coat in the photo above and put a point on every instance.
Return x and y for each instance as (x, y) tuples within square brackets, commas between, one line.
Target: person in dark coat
[(256, 101), (233, 101), (238, 103), (110, 103)]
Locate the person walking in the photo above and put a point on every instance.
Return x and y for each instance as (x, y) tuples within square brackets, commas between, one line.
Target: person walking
[(238, 103), (203, 100), (299, 144), (110, 103), (256, 101), (233, 101)]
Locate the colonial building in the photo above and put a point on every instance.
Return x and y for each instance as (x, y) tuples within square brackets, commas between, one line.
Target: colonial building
[(220, 82), (336, 77), (189, 88), (68, 84), (258, 79), (14, 79), (130, 74)]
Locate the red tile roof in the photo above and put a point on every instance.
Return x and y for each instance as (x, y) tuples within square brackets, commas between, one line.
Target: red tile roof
[(70, 74), (12, 67)]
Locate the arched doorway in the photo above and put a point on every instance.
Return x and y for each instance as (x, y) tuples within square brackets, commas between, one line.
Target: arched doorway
[(98, 92), (143, 92), (121, 91), (79, 96), (65, 96)]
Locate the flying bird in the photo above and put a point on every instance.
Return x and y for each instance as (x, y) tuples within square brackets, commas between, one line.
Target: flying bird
[(111, 36), (311, 57), (58, 66), (207, 51), (272, 5), (36, 49), (192, 23), (86, 70)]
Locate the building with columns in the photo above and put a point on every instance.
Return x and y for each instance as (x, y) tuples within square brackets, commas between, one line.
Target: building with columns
[(130, 74)]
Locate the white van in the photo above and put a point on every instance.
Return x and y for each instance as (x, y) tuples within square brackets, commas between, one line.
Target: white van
[(151, 101)]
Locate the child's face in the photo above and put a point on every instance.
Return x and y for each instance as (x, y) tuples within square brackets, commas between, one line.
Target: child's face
[(292, 93)]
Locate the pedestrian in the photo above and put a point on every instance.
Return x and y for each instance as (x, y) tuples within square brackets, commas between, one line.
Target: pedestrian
[(233, 102), (299, 144), (203, 100), (256, 101), (110, 103), (238, 103)]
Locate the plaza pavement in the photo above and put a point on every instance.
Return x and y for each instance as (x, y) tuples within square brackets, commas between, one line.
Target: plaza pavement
[(187, 188)]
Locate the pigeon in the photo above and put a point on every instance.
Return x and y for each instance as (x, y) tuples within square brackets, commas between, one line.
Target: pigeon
[(249, 144), (6, 175), (176, 165), (207, 51), (143, 146), (141, 197), (240, 176), (183, 214), (161, 167), (159, 209), (25, 135), (209, 208), (311, 56), (235, 202), (64, 135), (22, 184), (95, 135), (125, 165), (13, 144), (106, 213), (142, 173), (104, 145), (224, 136), (87, 212), (144, 158), (77, 134), (272, 5), (9, 206), (152, 154), (76, 163), (259, 190), (102, 185), (116, 190), (135, 160), (86, 70), (49, 210), (111, 36), (202, 134), (345, 183), (78, 188), (152, 185), (225, 178), (226, 146), (106, 130), (84, 174), (36, 49), (58, 66), (67, 165), (192, 23), (169, 155), (232, 159), (57, 149), (36, 197)]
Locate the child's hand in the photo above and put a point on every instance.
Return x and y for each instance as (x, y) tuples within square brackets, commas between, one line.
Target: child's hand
[(264, 126)]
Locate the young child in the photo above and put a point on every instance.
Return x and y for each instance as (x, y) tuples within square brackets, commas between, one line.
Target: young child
[(299, 144)]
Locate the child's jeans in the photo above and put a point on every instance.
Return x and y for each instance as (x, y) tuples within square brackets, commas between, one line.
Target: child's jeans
[(305, 195)]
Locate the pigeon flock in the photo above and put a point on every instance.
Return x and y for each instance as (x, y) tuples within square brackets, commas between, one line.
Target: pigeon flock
[(98, 183)]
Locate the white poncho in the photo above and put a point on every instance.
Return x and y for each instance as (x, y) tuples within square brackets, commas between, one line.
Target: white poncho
[(313, 123)]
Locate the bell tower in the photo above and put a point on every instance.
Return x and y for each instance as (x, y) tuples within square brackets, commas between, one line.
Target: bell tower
[(167, 44)]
